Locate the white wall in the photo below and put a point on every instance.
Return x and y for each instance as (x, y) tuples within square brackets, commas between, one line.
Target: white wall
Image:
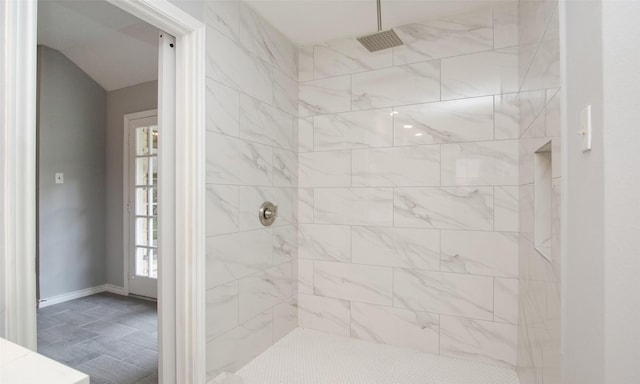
[(539, 336), (584, 295), (3, 267), (621, 106), (140, 97), (602, 286), (251, 107), (408, 176)]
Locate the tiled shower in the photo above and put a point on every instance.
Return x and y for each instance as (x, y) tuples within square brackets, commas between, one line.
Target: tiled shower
[(404, 181)]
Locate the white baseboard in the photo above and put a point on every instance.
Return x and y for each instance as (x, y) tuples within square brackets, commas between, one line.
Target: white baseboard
[(82, 293), (115, 289), (71, 296)]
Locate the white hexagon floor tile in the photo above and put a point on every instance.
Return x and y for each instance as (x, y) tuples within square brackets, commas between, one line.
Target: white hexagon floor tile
[(311, 357)]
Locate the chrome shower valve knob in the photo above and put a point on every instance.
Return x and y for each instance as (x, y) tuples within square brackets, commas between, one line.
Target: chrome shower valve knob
[(268, 213)]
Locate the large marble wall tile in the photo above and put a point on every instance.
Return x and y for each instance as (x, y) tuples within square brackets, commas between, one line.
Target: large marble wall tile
[(305, 276), (222, 309), (265, 124), (408, 166), (325, 242), (221, 209), (505, 300), (553, 120), (531, 104), (483, 341), (479, 74), (480, 253), (444, 122), (506, 207), (445, 37), (396, 247), (305, 205), (285, 319), (481, 163), (507, 116), (285, 168), (235, 161), (258, 36), (223, 109), (407, 84), (544, 71), (444, 208), (324, 169), (264, 290), (318, 97), (231, 257), (285, 244), (305, 63), (531, 26), (232, 350), (305, 134), (324, 314), (285, 93), (238, 68), (224, 16), (361, 129), (346, 56), (505, 25), (251, 198), (444, 293), (354, 206), (526, 203), (355, 282), (402, 327)]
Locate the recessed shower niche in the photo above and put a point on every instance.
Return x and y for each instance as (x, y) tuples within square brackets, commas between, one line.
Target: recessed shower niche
[(542, 208)]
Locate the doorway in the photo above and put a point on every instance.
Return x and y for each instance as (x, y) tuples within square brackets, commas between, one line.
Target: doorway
[(181, 321), (96, 62)]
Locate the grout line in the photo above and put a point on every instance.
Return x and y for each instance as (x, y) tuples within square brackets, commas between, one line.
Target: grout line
[(409, 63)]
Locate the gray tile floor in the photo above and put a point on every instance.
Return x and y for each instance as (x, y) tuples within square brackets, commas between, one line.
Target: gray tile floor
[(111, 338)]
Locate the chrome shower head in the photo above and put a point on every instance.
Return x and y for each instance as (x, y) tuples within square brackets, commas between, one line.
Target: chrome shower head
[(381, 39)]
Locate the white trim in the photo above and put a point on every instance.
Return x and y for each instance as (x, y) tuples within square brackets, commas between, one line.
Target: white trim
[(72, 296), (82, 293), (18, 183), (126, 192), (185, 301), (115, 289)]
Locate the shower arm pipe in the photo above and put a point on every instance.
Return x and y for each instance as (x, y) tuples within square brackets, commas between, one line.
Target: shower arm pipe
[(379, 16)]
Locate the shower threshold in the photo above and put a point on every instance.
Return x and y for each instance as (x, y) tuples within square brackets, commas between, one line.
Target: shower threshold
[(311, 357)]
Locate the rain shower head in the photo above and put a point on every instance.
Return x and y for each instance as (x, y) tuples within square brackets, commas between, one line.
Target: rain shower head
[(381, 39)]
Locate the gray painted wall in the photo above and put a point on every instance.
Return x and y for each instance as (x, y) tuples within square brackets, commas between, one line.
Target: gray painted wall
[(71, 132), (120, 102)]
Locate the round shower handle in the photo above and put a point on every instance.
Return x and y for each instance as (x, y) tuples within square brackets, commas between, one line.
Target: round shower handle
[(268, 213)]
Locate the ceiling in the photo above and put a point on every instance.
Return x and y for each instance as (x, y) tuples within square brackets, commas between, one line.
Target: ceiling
[(114, 48), (315, 21), (118, 50)]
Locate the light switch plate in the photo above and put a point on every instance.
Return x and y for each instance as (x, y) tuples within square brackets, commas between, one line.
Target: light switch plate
[(59, 178), (585, 128)]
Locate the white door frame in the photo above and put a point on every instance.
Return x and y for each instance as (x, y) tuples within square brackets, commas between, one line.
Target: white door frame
[(182, 316), (127, 196)]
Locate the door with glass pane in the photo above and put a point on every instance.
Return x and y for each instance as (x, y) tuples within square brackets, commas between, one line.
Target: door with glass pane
[(143, 205)]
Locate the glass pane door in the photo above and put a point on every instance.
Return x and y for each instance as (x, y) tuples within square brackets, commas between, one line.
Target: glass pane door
[(143, 204), (146, 202)]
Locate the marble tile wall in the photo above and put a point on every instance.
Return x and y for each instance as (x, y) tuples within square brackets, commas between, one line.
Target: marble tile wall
[(252, 107), (409, 187), (539, 357)]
